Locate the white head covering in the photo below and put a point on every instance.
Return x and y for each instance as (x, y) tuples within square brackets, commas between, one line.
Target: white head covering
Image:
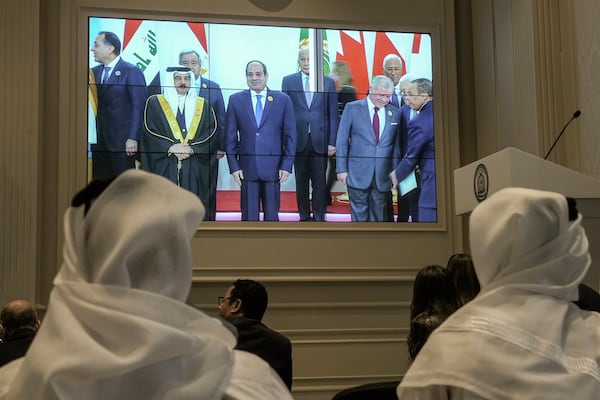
[(116, 326), (172, 96), (521, 337)]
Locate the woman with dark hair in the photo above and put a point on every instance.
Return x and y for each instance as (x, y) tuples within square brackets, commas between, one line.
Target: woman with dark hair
[(434, 299), (521, 337), (462, 274)]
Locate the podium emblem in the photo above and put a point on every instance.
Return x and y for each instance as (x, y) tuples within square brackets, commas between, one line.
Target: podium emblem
[(481, 183)]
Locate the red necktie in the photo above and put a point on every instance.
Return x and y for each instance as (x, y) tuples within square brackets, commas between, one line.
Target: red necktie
[(376, 124)]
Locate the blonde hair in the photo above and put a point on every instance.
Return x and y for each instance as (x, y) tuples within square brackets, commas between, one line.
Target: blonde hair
[(343, 73)]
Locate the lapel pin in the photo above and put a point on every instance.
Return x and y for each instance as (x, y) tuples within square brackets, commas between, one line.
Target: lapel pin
[(117, 73), (270, 98)]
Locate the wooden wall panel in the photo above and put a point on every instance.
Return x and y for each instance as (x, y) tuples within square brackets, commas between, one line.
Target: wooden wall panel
[(19, 148)]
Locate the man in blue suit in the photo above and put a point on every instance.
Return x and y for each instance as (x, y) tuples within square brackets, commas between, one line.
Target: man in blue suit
[(260, 143), (367, 149), (420, 149), (408, 204), (211, 91), (121, 98), (316, 124)]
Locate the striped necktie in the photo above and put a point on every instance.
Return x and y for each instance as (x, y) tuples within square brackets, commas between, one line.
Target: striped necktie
[(307, 93), (106, 75)]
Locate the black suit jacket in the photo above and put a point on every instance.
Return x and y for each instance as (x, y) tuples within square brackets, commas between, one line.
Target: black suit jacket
[(273, 347), (16, 346), (320, 118)]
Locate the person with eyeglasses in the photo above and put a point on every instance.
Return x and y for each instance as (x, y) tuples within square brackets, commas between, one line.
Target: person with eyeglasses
[(420, 150), (244, 306), (392, 68), (408, 204)]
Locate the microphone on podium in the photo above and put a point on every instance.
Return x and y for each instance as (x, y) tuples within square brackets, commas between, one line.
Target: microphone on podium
[(576, 114)]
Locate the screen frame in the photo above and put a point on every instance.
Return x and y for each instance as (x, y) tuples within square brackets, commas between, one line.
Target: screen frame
[(440, 120)]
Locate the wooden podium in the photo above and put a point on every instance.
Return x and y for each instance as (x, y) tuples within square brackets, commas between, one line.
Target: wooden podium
[(512, 167)]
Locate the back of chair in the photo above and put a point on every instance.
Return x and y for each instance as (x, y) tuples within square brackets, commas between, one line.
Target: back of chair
[(370, 391)]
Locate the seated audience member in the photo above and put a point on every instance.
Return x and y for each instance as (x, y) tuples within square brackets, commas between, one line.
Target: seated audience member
[(434, 299), (117, 326), (462, 274), (521, 337), (244, 305), (19, 323)]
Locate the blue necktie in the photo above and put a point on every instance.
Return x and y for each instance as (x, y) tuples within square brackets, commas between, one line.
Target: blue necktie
[(395, 100), (106, 74), (307, 93), (259, 109)]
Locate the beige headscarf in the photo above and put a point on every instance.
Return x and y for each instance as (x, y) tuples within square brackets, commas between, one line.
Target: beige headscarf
[(521, 337), (117, 327)]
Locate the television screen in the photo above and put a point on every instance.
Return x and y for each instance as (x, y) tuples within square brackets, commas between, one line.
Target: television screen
[(180, 99)]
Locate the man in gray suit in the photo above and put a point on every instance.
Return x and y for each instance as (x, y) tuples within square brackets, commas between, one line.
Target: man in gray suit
[(367, 149)]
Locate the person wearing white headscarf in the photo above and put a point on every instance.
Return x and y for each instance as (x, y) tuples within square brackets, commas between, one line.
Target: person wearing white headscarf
[(117, 326), (522, 337), (180, 134)]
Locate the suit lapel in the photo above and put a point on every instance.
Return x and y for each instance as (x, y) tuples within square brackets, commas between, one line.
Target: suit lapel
[(250, 108), (98, 76), (366, 113), (267, 107), (388, 117), (115, 73), (385, 123)]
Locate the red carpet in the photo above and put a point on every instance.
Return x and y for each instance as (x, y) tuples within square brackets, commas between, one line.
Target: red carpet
[(229, 201)]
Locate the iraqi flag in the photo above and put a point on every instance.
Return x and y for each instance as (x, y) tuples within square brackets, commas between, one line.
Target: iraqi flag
[(152, 46), (140, 47)]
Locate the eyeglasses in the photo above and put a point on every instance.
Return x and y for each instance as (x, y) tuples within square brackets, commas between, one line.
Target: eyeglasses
[(221, 299), (408, 94)]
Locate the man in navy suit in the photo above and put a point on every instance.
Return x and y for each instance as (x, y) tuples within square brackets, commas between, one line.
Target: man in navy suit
[(408, 204), (260, 143), (211, 91), (316, 124), (367, 149), (420, 149), (121, 98), (392, 68)]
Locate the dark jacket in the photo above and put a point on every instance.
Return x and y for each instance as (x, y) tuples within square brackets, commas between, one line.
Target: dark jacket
[(16, 345), (273, 347)]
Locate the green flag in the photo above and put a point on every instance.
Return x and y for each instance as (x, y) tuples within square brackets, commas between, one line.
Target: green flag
[(324, 48), (326, 69)]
